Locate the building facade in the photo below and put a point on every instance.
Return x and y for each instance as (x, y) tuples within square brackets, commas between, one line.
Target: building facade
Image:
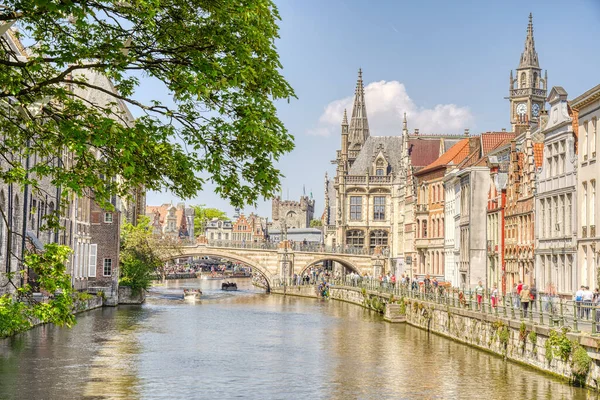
[(586, 113), (555, 228), (172, 221), (217, 229), (296, 214)]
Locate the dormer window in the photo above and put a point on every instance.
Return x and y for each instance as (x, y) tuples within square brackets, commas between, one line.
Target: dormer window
[(379, 172), (380, 166)]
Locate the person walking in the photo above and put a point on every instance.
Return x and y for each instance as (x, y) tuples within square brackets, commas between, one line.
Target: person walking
[(533, 297), (494, 296), (525, 299), (588, 299), (578, 300), (479, 293)]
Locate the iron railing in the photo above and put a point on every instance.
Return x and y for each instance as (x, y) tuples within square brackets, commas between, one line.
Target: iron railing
[(546, 310)]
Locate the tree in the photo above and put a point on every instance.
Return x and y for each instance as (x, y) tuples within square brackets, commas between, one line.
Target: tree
[(143, 254), (315, 223), (217, 59), (204, 214)]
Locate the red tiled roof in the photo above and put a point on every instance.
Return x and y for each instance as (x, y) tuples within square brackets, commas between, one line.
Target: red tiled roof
[(423, 152), (538, 154), (491, 140), (454, 155)]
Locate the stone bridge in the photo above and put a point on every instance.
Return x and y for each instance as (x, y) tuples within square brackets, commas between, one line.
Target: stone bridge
[(283, 260)]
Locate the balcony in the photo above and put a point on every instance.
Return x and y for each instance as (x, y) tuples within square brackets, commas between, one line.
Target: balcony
[(592, 231), (527, 92), (584, 232), (356, 179), (353, 153), (422, 208), (380, 179)]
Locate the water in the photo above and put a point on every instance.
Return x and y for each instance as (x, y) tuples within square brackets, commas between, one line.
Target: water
[(250, 345)]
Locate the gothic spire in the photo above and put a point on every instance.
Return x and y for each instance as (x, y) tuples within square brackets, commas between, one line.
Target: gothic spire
[(345, 119), (359, 125), (529, 57)]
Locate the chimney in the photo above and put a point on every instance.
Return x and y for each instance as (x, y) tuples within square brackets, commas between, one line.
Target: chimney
[(466, 131), (503, 129), (416, 131)]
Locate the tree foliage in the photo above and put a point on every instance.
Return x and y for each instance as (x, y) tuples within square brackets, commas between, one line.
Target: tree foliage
[(315, 223), (63, 98), (204, 214), (22, 311), (143, 254), (217, 59)]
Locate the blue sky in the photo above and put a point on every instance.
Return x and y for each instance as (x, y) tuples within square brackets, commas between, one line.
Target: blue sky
[(445, 63)]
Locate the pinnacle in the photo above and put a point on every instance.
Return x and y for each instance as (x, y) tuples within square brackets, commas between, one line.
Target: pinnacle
[(345, 119)]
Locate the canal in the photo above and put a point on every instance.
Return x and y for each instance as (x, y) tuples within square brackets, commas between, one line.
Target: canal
[(247, 344)]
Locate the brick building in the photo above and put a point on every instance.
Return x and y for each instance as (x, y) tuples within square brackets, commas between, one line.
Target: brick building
[(103, 271)]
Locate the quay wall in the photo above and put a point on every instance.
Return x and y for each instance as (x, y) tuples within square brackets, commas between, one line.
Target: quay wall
[(569, 355)]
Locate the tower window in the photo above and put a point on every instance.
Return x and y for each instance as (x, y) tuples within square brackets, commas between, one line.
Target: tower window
[(523, 80)]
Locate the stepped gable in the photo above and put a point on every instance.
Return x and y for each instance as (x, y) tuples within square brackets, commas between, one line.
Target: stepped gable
[(389, 145), (455, 155)]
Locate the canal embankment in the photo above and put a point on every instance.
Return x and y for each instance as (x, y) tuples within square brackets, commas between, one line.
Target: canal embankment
[(574, 356)]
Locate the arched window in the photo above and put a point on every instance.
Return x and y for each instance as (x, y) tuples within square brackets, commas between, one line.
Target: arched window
[(523, 80), (536, 83), (355, 238), (378, 238)]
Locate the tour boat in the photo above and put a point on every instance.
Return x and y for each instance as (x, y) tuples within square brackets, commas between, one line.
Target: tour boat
[(229, 286), (191, 294)]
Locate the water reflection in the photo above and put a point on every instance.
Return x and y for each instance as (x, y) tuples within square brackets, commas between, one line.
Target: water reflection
[(251, 345)]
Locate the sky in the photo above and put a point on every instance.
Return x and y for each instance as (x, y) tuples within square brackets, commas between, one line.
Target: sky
[(446, 64)]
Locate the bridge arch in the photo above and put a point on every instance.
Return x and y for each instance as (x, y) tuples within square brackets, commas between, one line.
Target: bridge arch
[(332, 257), (224, 254)]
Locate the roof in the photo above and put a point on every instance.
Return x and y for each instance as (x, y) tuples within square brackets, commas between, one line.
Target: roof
[(491, 140), (538, 154), (586, 98), (389, 145), (448, 143), (453, 156), (423, 151)]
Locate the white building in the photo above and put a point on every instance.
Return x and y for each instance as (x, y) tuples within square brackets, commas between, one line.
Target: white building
[(555, 233), (587, 112)]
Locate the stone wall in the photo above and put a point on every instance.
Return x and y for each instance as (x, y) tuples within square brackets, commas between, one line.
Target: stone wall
[(548, 349), (127, 297)]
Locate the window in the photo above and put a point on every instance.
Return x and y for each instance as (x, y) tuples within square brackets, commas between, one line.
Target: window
[(212, 236), (92, 260), (568, 216), (593, 137), (379, 172), (355, 208), (593, 202), (584, 146), (584, 206), (379, 208), (355, 238), (108, 218), (543, 217), (107, 271), (378, 238), (424, 229)]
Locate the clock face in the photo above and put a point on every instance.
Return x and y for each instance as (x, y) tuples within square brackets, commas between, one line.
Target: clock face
[(521, 108), (535, 109)]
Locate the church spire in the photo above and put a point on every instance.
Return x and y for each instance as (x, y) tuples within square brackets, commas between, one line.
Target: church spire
[(529, 57), (359, 125)]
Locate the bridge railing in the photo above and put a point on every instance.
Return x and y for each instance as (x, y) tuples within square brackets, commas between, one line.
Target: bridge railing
[(544, 309), (296, 246)]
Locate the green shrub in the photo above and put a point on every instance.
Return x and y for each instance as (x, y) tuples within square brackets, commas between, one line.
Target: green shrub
[(580, 364)]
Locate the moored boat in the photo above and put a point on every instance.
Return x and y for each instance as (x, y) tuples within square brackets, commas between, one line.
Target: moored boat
[(191, 294)]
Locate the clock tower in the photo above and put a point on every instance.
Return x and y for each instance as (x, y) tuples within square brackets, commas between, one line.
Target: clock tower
[(528, 89)]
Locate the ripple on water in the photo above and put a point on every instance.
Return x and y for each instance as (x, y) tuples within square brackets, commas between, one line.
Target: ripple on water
[(247, 344)]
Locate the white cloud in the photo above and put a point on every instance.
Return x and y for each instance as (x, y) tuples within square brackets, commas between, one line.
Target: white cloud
[(386, 103)]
